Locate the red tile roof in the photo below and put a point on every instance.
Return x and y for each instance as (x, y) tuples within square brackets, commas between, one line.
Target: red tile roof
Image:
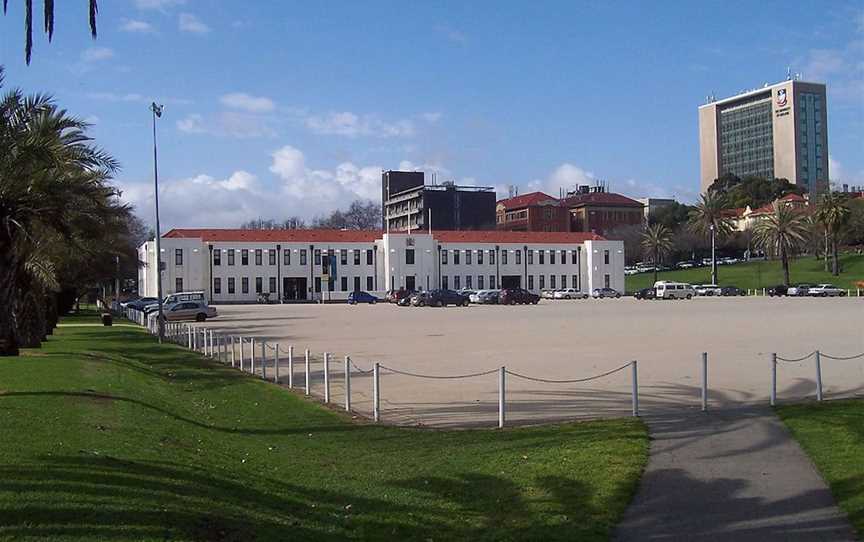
[(793, 197), (525, 200), (600, 198), (368, 236), (733, 213)]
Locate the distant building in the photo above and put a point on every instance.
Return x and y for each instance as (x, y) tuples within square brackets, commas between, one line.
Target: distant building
[(535, 211), (746, 218), (408, 203), (778, 131), (652, 205)]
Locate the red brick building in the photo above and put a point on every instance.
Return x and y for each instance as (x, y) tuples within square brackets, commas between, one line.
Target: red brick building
[(587, 211), (535, 211)]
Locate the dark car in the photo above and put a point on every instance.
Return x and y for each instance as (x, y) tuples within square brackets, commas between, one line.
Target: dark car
[(361, 297), (731, 290), (140, 303), (394, 296), (416, 300), (600, 293), (779, 290), (514, 296), (645, 293), (442, 298)]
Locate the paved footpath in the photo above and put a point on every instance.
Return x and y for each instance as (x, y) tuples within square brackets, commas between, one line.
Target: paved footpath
[(735, 474)]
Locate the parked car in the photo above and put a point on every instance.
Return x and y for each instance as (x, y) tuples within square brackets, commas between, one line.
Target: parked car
[(645, 293), (600, 293), (826, 290), (188, 310), (779, 290), (417, 299), (799, 290), (488, 297), (547, 294), (393, 296), (442, 298), (569, 293), (141, 302), (665, 289), (685, 265), (517, 296), (732, 290), (707, 289), (361, 297)]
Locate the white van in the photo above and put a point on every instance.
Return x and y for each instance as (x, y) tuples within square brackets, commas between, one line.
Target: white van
[(183, 296), (673, 290)]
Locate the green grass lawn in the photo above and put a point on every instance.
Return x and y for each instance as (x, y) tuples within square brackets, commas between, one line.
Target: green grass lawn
[(760, 274), (108, 436), (833, 434)]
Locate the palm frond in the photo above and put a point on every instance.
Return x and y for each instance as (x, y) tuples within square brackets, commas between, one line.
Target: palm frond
[(94, 11), (48, 10)]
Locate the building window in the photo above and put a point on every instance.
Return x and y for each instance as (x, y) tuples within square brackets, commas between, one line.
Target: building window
[(467, 257), (542, 281), (331, 284), (343, 256), (244, 285), (356, 256), (272, 285), (317, 256), (356, 284), (244, 257), (217, 257), (455, 257), (286, 257), (468, 281), (552, 281), (318, 285), (531, 257), (491, 282), (370, 284), (457, 282), (573, 257), (606, 281), (479, 282), (272, 256), (563, 281), (257, 256), (606, 257), (178, 256), (302, 256), (530, 282), (230, 256), (519, 257), (575, 282), (230, 285), (409, 256), (259, 285), (345, 282), (217, 285), (491, 257), (563, 257), (551, 257), (369, 256), (178, 284), (541, 255), (504, 257), (444, 282), (444, 257)]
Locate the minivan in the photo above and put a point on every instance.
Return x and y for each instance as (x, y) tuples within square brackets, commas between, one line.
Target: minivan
[(673, 290)]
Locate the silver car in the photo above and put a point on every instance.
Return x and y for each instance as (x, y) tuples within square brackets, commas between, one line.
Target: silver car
[(189, 310), (826, 290), (570, 293)]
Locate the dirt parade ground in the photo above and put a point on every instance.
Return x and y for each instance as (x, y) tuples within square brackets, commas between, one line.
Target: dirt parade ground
[(562, 340)]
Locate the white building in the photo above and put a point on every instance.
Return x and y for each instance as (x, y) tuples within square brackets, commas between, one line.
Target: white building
[(234, 266)]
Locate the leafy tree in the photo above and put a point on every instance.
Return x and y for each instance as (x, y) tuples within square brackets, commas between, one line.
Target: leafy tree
[(671, 216), (48, 21), (781, 233), (657, 243), (752, 191), (706, 219), (631, 235), (360, 215), (832, 213), (292, 223)]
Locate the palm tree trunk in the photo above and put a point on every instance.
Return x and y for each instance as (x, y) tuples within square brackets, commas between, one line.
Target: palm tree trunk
[(655, 264), (835, 259), (826, 250), (784, 260), (8, 328)]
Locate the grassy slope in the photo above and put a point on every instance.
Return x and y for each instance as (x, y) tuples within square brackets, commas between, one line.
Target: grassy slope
[(107, 435), (833, 434), (760, 274)]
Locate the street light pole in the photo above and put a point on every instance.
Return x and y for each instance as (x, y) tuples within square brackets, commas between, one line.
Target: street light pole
[(157, 113), (713, 258)]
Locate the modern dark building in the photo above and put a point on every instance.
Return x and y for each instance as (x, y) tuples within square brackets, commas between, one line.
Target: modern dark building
[(408, 203)]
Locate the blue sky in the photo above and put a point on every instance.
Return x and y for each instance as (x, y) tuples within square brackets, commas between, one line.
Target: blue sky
[(277, 108)]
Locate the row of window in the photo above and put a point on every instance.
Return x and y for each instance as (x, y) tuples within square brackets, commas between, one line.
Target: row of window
[(344, 257), (271, 283), (541, 256)]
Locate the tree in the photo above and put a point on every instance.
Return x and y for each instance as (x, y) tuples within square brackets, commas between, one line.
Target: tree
[(832, 213), (48, 22), (781, 233), (360, 215), (657, 243), (707, 220), (671, 216), (752, 191), (53, 183)]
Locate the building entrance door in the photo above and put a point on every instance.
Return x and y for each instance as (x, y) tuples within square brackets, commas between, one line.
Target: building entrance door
[(294, 288), (410, 283), (511, 281)]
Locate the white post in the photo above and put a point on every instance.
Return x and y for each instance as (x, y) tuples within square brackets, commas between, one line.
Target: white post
[(252, 354), (347, 384), (376, 393), (264, 360), (635, 389), (704, 381), (189, 332), (763, 292), (818, 376), (233, 354), (276, 364), (212, 350), (241, 352), (859, 292), (501, 376), (307, 371), (291, 366), (773, 378), (326, 377)]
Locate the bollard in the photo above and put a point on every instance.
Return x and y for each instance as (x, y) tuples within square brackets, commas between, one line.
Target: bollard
[(763, 292), (376, 393), (773, 394), (326, 377), (818, 376), (704, 381), (635, 389), (307, 371), (189, 332), (264, 360), (252, 355), (233, 354), (291, 366), (212, 351), (858, 290), (276, 364), (347, 384), (241, 352), (501, 376)]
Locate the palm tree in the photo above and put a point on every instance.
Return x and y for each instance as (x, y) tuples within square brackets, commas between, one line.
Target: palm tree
[(53, 182), (707, 220), (657, 243), (782, 232), (48, 21), (832, 212)]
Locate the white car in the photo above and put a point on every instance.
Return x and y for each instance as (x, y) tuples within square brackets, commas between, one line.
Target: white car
[(826, 290), (569, 293), (547, 294), (474, 297), (707, 289), (799, 290)]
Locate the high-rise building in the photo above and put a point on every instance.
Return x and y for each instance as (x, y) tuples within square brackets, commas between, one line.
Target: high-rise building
[(777, 131)]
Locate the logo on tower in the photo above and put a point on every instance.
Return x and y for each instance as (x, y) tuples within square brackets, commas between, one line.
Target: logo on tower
[(781, 97)]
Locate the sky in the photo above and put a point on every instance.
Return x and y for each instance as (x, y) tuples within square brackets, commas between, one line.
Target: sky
[(286, 108)]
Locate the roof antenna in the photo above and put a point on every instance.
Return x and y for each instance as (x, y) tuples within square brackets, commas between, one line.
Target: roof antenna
[(788, 73)]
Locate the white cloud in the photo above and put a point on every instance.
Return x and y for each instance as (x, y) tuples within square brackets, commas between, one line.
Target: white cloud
[(841, 69), (452, 35), (228, 124), (840, 176), (140, 27), (192, 124), (246, 102), (96, 54), (161, 5), (431, 118), (133, 97), (350, 124), (92, 120), (190, 23)]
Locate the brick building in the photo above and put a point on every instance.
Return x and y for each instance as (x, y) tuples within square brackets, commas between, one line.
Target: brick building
[(535, 211)]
